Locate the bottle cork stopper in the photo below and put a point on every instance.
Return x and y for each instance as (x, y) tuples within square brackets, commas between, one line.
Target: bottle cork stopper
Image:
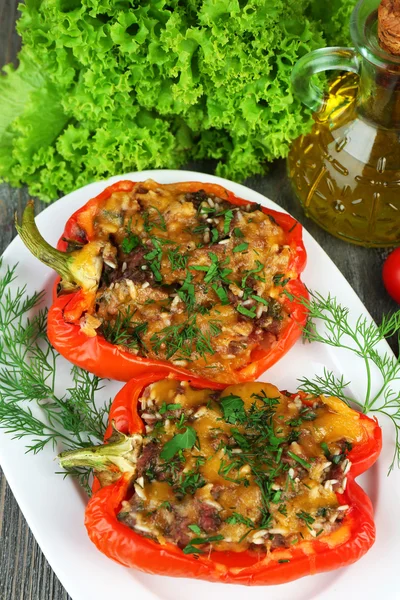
[(389, 26)]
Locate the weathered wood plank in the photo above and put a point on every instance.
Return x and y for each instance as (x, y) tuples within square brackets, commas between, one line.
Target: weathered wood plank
[(9, 41)]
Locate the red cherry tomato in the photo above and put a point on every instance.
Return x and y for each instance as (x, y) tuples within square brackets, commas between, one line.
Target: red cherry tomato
[(391, 274)]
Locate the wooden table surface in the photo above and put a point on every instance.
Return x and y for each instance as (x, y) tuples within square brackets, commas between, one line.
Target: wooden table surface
[(24, 572)]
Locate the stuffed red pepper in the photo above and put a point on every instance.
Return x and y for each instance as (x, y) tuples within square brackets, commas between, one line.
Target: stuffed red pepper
[(184, 277), (244, 485)]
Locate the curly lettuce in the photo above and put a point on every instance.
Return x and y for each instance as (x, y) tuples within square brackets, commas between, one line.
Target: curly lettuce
[(109, 86)]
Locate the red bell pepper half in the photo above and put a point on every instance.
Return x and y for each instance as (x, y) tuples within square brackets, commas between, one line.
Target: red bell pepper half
[(345, 545), (104, 359)]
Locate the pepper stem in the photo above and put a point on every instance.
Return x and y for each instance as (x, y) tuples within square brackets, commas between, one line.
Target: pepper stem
[(33, 240), (121, 453)]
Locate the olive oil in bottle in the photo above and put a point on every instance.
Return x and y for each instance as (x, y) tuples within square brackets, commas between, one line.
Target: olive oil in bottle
[(346, 171)]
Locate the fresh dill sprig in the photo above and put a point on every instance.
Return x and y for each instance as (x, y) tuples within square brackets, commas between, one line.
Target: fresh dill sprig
[(30, 405), (177, 260), (123, 331), (83, 476), (329, 323), (183, 340)]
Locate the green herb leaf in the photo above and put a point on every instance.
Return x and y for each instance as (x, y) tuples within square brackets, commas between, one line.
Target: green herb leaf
[(253, 272), (90, 135), (151, 223), (241, 439), (259, 299), (73, 418), (131, 242), (300, 460), (177, 260), (221, 293), (241, 247), (239, 518), (166, 407), (245, 311), (189, 481), (233, 409), (180, 441), (283, 509), (280, 279), (227, 220), (238, 232), (361, 337), (195, 528), (191, 547), (306, 517), (325, 448), (276, 497)]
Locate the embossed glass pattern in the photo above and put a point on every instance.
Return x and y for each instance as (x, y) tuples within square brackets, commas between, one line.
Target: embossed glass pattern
[(346, 171)]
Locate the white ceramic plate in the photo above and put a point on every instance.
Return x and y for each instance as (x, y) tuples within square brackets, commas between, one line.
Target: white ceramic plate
[(54, 508)]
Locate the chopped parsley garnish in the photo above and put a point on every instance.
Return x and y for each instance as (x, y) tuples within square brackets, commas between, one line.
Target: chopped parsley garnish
[(180, 441), (166, 407), (188, 482), (214, 271), (247, 312), (238, 232), (262, 397), (280, 279), (214, 235), (294, 422), (253, 272), (335, 458), (276, 497), (233, 409), (154, 259), (241, 247), (191, 549), (195, 528), (221, 293), (131, 242), (261, 448), (186, 293), (227, 220), (259, 299)]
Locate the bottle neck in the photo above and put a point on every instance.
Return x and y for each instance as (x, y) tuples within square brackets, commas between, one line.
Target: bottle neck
[(378, 98)]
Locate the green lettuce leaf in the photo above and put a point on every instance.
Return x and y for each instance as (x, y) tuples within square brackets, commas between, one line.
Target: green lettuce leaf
[(109, 86)]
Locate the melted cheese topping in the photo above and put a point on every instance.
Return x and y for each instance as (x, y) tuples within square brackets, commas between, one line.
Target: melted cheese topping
[(262, 469), (187, 277)]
